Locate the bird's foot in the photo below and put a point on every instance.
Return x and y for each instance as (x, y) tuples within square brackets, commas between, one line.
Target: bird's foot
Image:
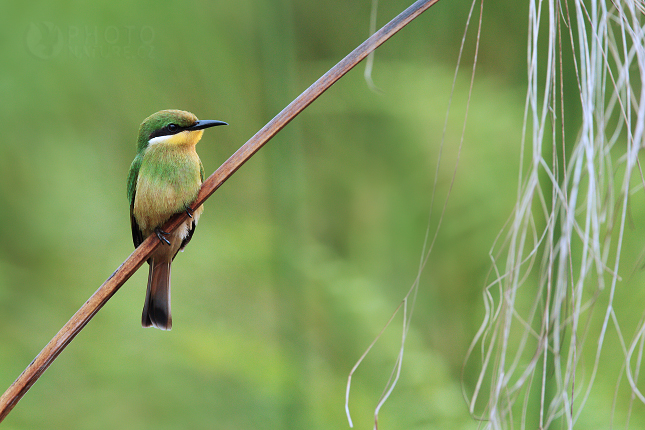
[(162, 235), (189, 212)]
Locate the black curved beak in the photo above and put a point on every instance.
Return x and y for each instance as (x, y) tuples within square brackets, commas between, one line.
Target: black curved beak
[(200, 125)]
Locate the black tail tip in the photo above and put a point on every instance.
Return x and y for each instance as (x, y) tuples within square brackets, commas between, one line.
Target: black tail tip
[(157, 318)]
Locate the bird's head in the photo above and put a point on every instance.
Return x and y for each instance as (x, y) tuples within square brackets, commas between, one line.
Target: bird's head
[(172, 127)]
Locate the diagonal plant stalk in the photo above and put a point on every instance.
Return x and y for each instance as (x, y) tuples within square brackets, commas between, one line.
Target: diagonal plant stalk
[(83, 316)]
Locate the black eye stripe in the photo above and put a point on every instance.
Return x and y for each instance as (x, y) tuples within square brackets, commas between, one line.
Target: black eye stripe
[(168, 130)]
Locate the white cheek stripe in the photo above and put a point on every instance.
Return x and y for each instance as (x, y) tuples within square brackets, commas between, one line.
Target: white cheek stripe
[(165, 139), (159, 139)]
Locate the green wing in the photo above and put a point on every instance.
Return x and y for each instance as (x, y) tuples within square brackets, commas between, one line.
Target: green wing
[(201, 170), (137, 235), (132, 178)]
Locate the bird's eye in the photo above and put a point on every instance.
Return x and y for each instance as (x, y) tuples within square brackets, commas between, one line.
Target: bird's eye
[(173, 128)]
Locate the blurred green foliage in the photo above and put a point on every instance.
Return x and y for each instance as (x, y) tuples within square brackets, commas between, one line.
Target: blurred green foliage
[(300, 258)]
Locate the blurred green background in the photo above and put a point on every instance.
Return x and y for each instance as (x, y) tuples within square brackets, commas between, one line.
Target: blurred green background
[(300, 258)]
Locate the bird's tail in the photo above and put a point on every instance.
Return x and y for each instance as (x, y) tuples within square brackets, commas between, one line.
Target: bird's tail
[(156, 309)]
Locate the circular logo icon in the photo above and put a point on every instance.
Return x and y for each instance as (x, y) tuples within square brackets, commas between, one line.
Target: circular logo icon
[(44, 40)]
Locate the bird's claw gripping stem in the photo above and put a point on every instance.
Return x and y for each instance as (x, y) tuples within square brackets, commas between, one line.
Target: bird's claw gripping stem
[(162, 235), (189, 212)]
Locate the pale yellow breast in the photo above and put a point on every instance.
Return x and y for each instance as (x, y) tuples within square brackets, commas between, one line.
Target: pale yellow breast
[(168, 181)]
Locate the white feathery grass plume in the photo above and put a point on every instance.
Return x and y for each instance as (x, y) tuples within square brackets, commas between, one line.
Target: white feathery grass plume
[(556, 265)]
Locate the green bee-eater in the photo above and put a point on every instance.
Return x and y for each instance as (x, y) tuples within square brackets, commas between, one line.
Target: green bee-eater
[(165, 178)]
